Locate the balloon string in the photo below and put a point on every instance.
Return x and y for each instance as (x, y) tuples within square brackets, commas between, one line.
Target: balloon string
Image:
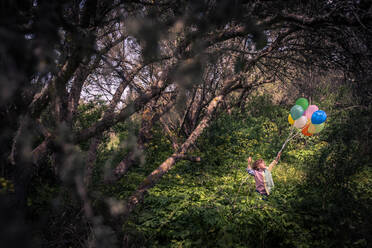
[(290, 136), (290, 133)]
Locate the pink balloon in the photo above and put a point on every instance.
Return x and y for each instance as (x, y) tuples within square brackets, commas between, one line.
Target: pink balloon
[(310, 110)]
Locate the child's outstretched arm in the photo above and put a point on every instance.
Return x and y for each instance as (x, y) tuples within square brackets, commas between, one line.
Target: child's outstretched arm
[(249, 160), (275, 161), (249, 167)]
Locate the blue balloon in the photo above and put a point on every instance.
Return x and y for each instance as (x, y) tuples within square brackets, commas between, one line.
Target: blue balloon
[(318, 117), (296, 112)]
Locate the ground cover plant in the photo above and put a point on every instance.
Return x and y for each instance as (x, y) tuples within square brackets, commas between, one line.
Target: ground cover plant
[(214, 204)]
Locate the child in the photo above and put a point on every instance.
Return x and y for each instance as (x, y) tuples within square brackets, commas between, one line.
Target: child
[(262, 175)]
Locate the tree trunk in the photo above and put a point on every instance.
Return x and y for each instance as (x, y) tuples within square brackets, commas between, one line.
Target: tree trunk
[(138, 196), (153, 178), (92, 156)]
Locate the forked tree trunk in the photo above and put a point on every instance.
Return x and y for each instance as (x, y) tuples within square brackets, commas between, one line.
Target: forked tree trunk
[(96, 141), (138, 196), (153, 178)]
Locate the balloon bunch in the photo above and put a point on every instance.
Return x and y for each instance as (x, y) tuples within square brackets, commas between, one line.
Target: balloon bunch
[(309, 119)]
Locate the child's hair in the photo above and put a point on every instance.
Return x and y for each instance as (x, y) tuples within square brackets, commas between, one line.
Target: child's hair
[(256, 163)]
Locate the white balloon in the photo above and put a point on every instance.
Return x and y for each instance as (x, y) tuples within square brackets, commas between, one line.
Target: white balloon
[(300, 122)]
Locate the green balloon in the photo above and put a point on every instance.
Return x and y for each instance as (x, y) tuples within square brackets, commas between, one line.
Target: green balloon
[(316, 128), (302, 102)]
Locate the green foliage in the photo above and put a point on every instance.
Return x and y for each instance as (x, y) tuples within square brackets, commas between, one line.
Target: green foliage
[(6, 186), (313, 204), (88, 114), (157, 150), (322, 195)]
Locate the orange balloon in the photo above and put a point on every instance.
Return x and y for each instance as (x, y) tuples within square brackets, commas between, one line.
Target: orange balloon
[(307, 134), (305, 130)]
